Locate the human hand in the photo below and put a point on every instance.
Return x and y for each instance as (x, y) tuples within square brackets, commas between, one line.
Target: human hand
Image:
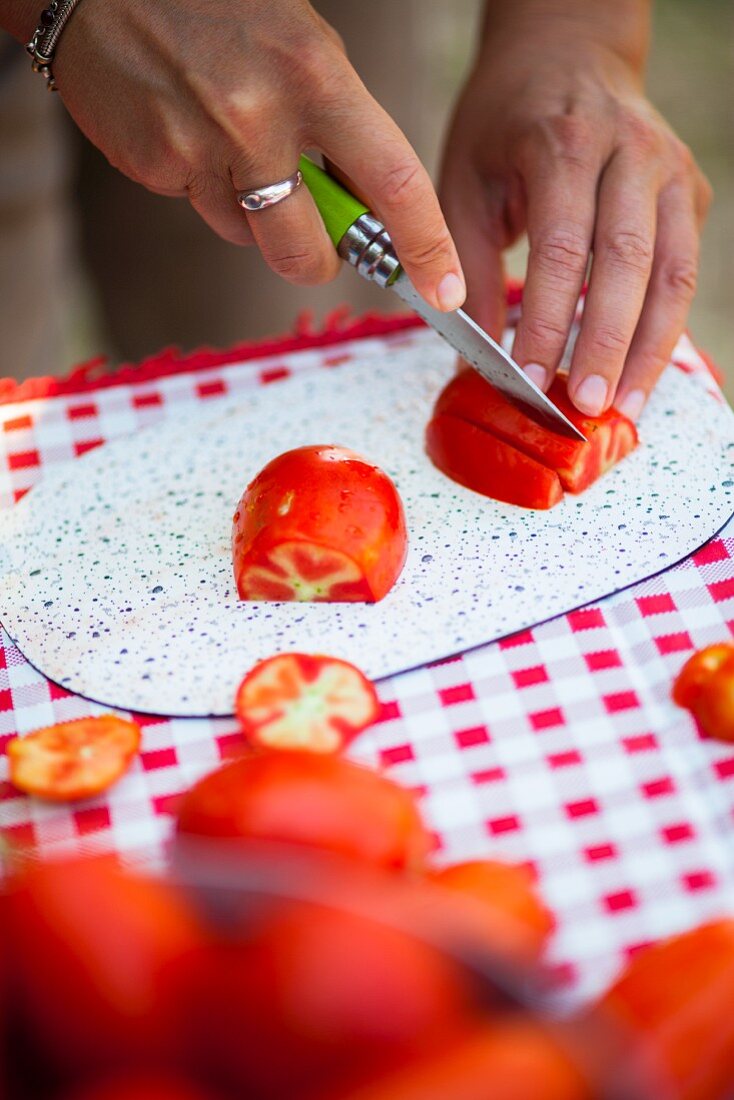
[(553, 135), (205, 98)]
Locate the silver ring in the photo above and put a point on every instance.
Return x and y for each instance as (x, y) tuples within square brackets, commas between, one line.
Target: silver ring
[(271, 194)]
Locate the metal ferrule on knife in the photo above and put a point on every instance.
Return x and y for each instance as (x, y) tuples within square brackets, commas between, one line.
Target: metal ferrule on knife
[(366, 245)]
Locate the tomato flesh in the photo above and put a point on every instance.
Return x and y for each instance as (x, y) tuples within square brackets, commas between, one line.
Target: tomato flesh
[(468, 397), (318, 800), (481, 462), (319, 523), (75, 759), (299, 701)]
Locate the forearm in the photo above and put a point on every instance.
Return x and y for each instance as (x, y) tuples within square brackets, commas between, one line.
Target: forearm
[(20, 17), (622, 27)]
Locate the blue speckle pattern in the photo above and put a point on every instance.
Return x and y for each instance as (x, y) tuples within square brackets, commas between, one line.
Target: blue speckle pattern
[(116, 574)]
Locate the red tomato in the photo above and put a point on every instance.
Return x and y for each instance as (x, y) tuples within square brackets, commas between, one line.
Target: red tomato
[(298, 701), (310, 799), (675, 1001), (478, 460), (312, 996), (705, 686), (512, 1059), (135, 1087), (319, 523), (508, 889), (94, 952), (73, 759), (471, 399)]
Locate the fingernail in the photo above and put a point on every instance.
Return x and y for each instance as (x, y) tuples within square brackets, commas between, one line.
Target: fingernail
[(632, 404), (536, 374), (451, 292), (591, 396)]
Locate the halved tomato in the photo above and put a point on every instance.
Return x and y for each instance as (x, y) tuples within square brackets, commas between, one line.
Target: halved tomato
[(609, 437), (301, 701), (75, 759), (478, 460), (312, 799), (319, 523)]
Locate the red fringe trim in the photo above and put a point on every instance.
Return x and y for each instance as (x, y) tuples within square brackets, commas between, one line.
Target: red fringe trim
[(338, 328)]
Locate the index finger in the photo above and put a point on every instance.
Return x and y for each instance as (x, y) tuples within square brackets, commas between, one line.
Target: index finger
[(369, 147)]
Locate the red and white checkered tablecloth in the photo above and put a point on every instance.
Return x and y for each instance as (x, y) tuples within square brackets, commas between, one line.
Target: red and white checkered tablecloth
[(559, 746)]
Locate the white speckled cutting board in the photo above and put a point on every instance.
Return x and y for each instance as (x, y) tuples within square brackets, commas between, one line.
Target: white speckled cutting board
[(115, 571)]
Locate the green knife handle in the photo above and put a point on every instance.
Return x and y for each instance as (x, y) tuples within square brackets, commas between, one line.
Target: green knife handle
[(358, 236), (337, 207)]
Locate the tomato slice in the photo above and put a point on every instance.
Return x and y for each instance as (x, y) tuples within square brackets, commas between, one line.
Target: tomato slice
[(480, 461), (610, 436), (299, 701), (319, 523), (73, 759)]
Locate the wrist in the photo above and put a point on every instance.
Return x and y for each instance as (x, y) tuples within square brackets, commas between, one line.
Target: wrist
[(20, 18), (570, 28)]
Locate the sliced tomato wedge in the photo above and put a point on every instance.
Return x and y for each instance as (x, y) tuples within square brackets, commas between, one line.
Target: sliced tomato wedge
[(610, 436), (480, 461), (300, 701), (319, 523), (73, 759)]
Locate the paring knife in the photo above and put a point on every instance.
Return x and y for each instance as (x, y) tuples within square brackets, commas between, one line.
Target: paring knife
[(363, 241)]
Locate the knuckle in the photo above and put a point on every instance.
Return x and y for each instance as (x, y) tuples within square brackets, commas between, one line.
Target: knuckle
[(642, 134), (629, 249), (561, 252), (566, 138), (304, 267), (399, 184), (543, 330), (680, 277), (608, 339), (682, 157)]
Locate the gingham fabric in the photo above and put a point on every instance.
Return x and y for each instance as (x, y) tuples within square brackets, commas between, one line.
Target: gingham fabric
[(559, 746)]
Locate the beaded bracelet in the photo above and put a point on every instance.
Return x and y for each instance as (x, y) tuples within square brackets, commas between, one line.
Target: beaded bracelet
[(42, 46)]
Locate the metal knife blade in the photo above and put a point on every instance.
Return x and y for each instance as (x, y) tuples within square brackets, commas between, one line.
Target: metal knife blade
[(488, 357)]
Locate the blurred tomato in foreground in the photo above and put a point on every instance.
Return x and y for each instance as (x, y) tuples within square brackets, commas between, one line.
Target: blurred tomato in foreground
[(502, 888), (675, 1001), (705, 686), (504, 1059), (310, 799), (303, 995), (136, 1087), (94, 953)]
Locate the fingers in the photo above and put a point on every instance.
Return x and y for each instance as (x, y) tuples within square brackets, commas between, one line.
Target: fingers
[(367, 145), (474, 216), (669, 295), (624, 246), (561, 207), (290, 235)]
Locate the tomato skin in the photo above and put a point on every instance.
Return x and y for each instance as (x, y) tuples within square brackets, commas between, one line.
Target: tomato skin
[(312, 799), (479, 461), (147, 1086), (675, 1001), (321, 499), (97, 954), (312, 995), (609, 437), (507, 889), (705, 686), (299, 700), (513, 1059)]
